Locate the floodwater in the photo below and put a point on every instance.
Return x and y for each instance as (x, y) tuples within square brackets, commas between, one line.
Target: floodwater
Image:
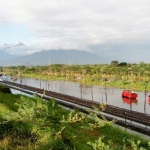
[(111, 96)]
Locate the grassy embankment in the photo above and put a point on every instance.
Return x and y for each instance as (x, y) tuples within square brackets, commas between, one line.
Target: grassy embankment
[(31, 123)]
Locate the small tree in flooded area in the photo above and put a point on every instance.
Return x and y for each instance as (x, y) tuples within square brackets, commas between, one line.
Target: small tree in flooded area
[(114, 63)]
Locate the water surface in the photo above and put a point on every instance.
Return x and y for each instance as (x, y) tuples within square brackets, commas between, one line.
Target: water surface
[(111, 96)]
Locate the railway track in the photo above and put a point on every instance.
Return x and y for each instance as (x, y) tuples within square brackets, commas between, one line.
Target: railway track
[(109, 109)]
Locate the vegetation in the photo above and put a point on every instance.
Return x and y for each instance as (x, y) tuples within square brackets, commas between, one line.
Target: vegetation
[(32, 123), (115, 74), (5, 89)]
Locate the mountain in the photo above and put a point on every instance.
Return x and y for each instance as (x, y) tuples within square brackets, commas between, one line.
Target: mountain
[(6, 51), (4, 56), (55, 57), (17, 44)]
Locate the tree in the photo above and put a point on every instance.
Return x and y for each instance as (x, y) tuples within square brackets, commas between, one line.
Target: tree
[(122, 64), (114, 63)]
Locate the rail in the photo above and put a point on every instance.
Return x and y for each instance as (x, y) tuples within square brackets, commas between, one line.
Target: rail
[(112, 110)]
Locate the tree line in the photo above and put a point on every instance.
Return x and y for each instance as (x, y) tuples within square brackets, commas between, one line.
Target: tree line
[(114, 74)]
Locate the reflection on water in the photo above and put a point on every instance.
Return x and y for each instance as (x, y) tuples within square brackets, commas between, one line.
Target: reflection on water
[(111, 96), (129, 101)]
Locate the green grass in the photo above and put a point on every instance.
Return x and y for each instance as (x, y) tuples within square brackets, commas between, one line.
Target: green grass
[(5, 89), (8, 100), (36, 124), (117, 134)]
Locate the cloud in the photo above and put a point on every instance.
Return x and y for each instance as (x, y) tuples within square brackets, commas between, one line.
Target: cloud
[(78, 24), (124, 51)]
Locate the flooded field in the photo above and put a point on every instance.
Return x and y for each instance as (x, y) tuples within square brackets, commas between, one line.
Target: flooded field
[(111, 96)]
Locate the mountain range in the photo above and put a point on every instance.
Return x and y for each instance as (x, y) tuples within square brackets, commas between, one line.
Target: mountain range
[(46, 57), (5, 51)]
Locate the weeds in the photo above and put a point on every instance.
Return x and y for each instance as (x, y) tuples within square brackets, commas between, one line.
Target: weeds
[(37, 124)]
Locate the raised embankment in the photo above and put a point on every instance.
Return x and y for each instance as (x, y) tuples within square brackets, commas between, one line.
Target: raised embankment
[(141, 121)]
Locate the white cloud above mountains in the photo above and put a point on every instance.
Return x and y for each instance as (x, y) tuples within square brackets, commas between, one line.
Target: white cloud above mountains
[(81, 24)]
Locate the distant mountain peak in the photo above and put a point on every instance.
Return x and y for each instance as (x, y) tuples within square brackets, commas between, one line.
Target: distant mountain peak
[(16, 44)]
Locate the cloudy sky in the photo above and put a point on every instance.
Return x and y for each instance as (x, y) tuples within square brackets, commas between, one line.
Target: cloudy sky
[(119, 29)]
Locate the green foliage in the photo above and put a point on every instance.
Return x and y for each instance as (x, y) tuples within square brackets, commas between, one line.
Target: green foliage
[(8, 101), (136, 145), (114, 63), (38, 118), (122, 64), (39, 124), (134, 74), (100, 145), (5, 89)]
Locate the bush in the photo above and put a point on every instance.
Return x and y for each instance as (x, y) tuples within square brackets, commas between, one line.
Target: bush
[(5, 89)]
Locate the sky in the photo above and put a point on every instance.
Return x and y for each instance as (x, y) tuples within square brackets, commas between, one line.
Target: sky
[(119, 29)]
